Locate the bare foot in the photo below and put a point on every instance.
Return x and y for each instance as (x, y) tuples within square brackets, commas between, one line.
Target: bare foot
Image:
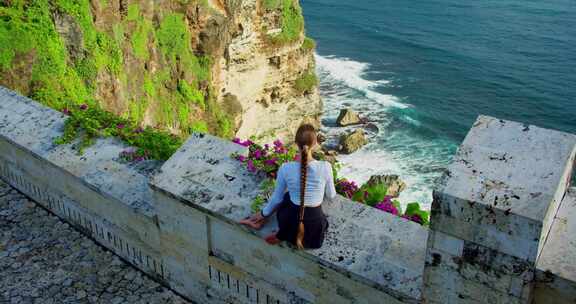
[(272, 239)]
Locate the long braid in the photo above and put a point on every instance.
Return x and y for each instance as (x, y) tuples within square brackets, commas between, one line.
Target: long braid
[(306, 138), (303, 175)]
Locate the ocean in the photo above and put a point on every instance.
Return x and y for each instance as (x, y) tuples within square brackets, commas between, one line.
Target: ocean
[(423, 70)]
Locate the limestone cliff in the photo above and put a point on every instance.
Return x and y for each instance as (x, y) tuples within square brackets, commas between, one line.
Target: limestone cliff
[(225, 66)]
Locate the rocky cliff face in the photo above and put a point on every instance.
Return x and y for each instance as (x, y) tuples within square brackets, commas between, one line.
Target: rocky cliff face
[(229, 67)]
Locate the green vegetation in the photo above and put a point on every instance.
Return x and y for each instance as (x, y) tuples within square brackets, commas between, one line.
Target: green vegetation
[(191, 93), (306, 82), (177, 94), (308, 44), (31, 29), (174, 42), (137, 110), (141, 34), (105, 52), (292, 21), (91, 122)]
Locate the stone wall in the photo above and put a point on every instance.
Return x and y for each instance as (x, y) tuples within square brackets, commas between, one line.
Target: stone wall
[(489, 240)]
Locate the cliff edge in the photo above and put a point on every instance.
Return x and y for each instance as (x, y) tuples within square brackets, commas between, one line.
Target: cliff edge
[(227, 67)]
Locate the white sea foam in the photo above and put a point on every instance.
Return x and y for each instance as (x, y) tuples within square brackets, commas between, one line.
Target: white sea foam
[(350, 73), (343, 84), (361, 165)]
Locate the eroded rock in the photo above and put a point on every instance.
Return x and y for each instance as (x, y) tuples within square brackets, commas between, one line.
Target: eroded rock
[(348, 117), (350, 143)]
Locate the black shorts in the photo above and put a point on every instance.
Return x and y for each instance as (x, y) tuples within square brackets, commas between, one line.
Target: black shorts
[(315, 224)]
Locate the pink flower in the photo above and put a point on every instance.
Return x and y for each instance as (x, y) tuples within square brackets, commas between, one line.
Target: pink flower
[(414, 217), (278, 143), (66, 111), (83, 107), (120, 126), (258, 154), (138, 130), (236, 140), (241, 158), (387, 207), (266, 147), (271, 162), (251, 166)]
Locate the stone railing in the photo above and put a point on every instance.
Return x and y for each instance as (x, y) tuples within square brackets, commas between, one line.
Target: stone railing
[(495, 235)]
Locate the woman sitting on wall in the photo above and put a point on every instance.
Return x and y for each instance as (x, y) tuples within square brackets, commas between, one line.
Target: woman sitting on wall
[(307, 182)]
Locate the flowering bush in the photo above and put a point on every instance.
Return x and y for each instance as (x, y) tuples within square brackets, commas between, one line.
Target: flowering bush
[(346, 188), (267, 159)]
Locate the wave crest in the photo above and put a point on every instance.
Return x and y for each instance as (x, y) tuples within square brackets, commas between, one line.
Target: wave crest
[(350, 73)]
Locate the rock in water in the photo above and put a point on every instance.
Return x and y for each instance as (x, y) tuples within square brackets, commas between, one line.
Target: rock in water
[(350, 143), (348, 117), (393, 182)]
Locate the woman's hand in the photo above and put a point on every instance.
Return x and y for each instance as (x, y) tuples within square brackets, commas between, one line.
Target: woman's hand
[(255, 221)]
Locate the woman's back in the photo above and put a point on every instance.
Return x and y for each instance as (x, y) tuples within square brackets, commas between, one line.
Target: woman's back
[(318, 181)]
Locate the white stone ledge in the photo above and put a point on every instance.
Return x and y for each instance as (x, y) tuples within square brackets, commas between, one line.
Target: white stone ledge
[(370, 246)]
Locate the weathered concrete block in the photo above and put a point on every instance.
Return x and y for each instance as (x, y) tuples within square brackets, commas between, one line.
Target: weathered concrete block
[(556, 266), (504, 185), (492, 211), (503, 273)]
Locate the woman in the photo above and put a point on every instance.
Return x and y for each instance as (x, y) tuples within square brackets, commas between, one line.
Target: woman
[(301, 220)]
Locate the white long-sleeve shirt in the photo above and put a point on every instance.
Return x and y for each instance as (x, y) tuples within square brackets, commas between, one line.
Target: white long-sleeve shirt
[(319, 184)]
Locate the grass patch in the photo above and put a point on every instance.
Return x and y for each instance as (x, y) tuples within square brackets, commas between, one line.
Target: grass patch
[(308, 44), (306, 82), (141, 34), (292, 23), (30, 28), (191, 94)]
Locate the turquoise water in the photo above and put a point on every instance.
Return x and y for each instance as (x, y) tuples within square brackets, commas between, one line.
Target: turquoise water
[(422, 70)]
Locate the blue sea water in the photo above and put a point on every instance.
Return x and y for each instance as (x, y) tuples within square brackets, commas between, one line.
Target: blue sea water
[(423, 70)]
